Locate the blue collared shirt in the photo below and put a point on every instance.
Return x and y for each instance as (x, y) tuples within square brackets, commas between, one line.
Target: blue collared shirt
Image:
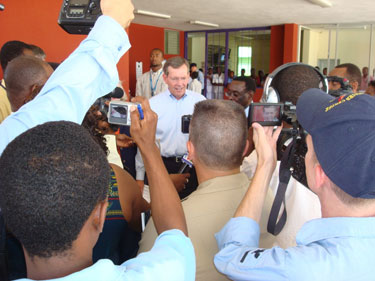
[(201, 78), (339, 248), (171, 258), (88, 73), (168, 131)]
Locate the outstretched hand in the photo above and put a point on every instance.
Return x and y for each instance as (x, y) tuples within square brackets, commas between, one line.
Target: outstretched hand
[(124, 141), (265, 139)]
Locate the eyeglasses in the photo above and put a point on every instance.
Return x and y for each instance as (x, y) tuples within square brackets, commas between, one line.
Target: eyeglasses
[(235, 94)]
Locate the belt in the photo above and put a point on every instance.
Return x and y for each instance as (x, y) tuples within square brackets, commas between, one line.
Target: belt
[(176, 159)]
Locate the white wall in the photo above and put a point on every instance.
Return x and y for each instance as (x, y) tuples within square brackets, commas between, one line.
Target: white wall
[(353, 46), (198, 50)]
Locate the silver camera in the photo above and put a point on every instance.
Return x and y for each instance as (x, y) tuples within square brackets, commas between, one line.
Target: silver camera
[(119, 112)]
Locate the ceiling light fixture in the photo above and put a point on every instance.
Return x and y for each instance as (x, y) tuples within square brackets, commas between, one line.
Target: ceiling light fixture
[(322, 3), (152, 14), (203, 23)]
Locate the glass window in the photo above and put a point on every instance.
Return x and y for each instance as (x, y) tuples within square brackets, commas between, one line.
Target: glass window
[(244, 59)]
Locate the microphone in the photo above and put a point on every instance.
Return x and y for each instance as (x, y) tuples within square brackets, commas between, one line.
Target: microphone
[(117, 93), (185, 163), (2, 7)]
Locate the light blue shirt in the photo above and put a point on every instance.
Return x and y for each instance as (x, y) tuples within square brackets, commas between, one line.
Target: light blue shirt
[(171, 258), (329, 249), (88, 73), (201, 78), (168, 131)]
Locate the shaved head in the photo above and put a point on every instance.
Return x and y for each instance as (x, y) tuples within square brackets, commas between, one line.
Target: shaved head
[(24, 77), (218, 131)]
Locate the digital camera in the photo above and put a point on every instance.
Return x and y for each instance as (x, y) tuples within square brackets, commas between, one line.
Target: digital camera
[(185, 123), (119, 112)]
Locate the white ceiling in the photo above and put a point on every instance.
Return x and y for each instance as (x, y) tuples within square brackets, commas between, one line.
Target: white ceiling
[(248, 13)]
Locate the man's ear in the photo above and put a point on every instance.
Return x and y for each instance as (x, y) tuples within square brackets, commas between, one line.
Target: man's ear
[(251, 95), (191, 150), (245, 151), (34, 91), (100, 213), (320, 178), (165, 78), (250, 142)]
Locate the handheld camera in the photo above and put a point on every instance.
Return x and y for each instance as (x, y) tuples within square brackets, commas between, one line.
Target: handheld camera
[(266, 114), (185, 123), (119, 112)]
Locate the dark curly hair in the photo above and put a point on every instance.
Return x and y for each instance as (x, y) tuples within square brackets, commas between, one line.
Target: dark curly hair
[(291, 82), (51, 178), (90, 122)]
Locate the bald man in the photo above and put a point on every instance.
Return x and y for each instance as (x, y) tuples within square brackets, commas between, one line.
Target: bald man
[(9, 51), (24, 78)]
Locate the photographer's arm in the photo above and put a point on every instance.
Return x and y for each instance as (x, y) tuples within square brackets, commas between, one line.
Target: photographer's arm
[(166, 207), (265, 143), (88, 73)]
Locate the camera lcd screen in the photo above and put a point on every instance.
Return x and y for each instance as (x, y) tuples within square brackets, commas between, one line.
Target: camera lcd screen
[(118, 114), (266, 114), (79, 2)]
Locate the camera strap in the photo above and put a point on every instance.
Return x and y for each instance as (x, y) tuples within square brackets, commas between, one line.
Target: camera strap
[(274, 227)]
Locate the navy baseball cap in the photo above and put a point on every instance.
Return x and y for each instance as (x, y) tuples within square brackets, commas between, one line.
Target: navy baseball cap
[(343, 133)]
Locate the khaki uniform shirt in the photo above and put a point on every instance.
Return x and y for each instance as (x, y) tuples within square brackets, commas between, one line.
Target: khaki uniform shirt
[(207, 210), (4, 104)]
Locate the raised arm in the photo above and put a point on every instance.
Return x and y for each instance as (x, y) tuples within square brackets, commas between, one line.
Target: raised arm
[(166, 207), (88, 73), (265, 144)]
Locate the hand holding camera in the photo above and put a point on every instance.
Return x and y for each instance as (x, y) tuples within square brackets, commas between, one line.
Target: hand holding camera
[(143, 130), (265, 139)]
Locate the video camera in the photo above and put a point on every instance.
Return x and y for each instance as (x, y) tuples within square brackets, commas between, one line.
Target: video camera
[(345, 87), (285, 112), (272, 114), (79, 16), (291, 151)]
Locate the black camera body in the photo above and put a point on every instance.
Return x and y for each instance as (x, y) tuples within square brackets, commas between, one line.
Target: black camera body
[(79, 16), (185, 123), (284, 112), (345, 87)]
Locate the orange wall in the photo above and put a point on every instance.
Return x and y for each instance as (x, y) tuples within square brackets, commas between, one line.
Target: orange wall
[(35, 22), (277, 47), (144, 38), (290, 42), (284, 45), (21, 20)]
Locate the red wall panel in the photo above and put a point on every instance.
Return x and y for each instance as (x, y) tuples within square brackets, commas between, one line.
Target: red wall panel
[(290, 42), (35, 22), (277, 46)]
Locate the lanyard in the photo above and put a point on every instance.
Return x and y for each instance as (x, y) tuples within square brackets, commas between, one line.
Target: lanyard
[(153, 88)]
